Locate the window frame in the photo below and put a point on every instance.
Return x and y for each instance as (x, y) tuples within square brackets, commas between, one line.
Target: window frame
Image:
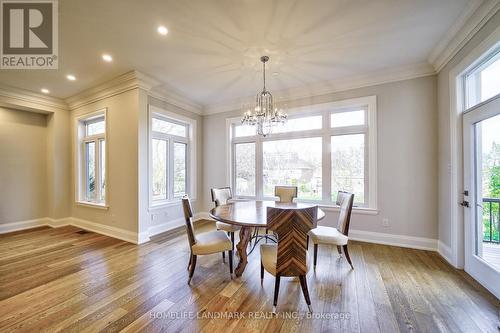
[(189, 141), (470, 99), (81, 157), (369, 129)]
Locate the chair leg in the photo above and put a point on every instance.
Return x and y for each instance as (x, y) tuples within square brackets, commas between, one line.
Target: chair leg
[(223, 256), (276, 292), (315, 255), (303, 284), (261, 272), (190, 259), (191, 269), (232, 241), (231, 263), (267, 232), (307, 242), (347, 256), (339, 250)]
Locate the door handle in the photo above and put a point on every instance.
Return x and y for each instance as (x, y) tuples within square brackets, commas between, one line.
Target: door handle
[(464, 204)]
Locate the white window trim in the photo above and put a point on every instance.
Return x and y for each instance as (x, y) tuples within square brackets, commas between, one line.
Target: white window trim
[(325, 109), (191, 170), (79, 160)]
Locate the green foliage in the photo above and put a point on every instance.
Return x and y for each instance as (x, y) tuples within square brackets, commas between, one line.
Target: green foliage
[(492, 178)]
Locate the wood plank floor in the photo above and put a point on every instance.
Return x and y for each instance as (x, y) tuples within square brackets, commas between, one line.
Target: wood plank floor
[(69, 280)]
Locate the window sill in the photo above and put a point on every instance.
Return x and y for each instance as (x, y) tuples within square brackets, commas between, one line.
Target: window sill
[(92, 205), (166, 204)]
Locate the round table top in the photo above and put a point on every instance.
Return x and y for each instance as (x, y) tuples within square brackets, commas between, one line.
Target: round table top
[(252, 213)]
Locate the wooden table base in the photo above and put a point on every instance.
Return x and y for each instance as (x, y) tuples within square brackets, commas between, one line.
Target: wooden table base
[(245, 233)]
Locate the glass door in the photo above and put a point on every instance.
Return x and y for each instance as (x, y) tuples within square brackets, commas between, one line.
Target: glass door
[(482, 193)]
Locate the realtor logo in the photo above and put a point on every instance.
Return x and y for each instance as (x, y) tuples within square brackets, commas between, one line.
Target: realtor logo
[(29, 35)]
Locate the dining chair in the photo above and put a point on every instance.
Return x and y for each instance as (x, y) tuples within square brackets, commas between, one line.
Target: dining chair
[(336, 236), (285, 193), (221, 196), (289, 258), (204, 243)]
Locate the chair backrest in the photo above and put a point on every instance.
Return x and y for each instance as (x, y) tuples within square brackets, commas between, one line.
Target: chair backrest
[(345, 200), (188, 215), (292, 226), (221, 195), (285, 193)]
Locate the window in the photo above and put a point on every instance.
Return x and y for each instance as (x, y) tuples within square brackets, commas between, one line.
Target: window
[(329, 148), (170, 152), (294, 162), (91, 184), (347, 118), (348, 166), (482, 82), (244, 155)]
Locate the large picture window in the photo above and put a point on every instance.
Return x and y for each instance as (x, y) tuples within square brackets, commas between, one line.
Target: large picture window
[(329, 148), (91, 184), (170, 151)]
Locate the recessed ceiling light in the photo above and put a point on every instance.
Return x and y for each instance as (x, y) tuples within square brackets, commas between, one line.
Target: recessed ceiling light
[(71, 77), (276, 74), (162, 30), (45, 91), (107, 58)]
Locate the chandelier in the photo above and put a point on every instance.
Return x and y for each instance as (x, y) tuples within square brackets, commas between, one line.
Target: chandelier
[(264, 115)]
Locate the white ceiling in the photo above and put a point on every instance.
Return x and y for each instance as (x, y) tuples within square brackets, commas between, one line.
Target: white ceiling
[(212, 51)]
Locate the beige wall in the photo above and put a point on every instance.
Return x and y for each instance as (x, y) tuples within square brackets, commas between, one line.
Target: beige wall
[(407, 156), (448, 202), (23, 166), (122, 179), (59, 164)]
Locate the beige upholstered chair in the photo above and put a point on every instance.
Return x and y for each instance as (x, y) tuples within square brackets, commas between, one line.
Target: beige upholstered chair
[(220, 196), (336, 236), (285, 193), (289, 257), (205, 243)]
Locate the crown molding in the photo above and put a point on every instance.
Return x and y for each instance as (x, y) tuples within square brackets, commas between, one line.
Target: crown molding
[(171, 96), (473, 18), (329, 87), (129, 81), (27, 100), (125, 82)]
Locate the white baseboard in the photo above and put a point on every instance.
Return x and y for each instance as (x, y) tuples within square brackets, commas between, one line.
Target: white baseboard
[(126, 235), (445, 252), (164, 227), (57, 223), (143, 237), (23, 225), (419, 243)]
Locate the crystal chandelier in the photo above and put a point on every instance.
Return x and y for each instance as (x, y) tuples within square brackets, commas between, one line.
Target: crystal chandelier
[(264, 115)]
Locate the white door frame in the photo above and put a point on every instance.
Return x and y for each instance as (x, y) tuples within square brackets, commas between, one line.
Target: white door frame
[(476, 266), (455, 253)]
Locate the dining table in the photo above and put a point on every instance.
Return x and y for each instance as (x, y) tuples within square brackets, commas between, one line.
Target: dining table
[(248, 215)]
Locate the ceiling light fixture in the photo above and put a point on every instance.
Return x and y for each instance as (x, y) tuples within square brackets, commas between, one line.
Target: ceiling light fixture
[(71, 77), (265, 115), (162, 30), (107, 58), (45, 91)]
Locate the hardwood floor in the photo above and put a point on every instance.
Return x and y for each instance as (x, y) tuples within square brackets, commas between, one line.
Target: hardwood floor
[(70, 280)]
